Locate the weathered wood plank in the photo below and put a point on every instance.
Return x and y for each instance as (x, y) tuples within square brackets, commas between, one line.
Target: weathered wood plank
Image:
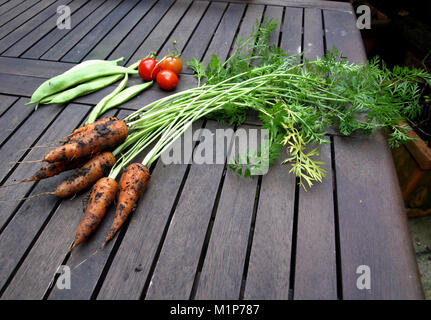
[(39, 32), (12, 119), (313, 34), (30, 217), (185, 28), (6, 6), (141, 31), (19, 85), (57, 51), (112, 39), (203, 33), (341, 32), (80, 50), (372, 223), (315, 269), (322, 4), (269, 265), (292, 31), (276, 14), (16, 146), (222, 271), (29, 25), (32, 68), (51, 38), (174, 273), (6, 102), (16, 11), (158, 35), (225, 33), (130, 268)]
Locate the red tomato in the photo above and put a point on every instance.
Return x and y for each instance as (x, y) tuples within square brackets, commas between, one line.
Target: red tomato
[(167, 79), (172, 63), (148, 69)]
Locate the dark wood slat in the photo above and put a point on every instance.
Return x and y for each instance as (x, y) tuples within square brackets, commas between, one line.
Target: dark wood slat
[(6, 5), (6, 102), (30, 217), (269, 265), (15, 147), (315, 271), (313, 34), (31, 24), (225, 33), (112, 39), (203, 34), (178, 261), (276, 14), (158, 35), (11, 14), (19, 85), (292, 31), (32, 68), (133, 40), (37, 33), (322, 4), (131, 265), (70, 40), (341, 32), (222, 271), (252, 17), (51, 38), (80, 50), (372, 221), (87, 274), (12, 119), (185, 28)]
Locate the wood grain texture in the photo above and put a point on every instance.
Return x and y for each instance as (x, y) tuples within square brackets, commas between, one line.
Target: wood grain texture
[(112, 39), (225, 33), (174, 273), (141, 31), (6, 102), (203, 33), (313, 34), (21, 14), (57, 51), (372, 222), (31, 215), (7, 6), (131, 266), (55, 35), (11, 119), (222, 271), (35, 34), (33, 68), (184, 29), (29, 25), (251, 19), (163, 29), (315, 269), (104, 27), (292, 31)]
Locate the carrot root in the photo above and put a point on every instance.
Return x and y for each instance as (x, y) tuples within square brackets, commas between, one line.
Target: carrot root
[(132, 184), (102, 195)]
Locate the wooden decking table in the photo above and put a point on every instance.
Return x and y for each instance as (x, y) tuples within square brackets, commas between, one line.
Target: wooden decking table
[(199, 231)]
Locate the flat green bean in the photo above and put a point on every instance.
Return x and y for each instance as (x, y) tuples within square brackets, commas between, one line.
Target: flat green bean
[(126, 95), (72, 78)]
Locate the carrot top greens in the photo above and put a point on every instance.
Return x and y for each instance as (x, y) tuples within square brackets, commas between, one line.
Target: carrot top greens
[(297, 100)]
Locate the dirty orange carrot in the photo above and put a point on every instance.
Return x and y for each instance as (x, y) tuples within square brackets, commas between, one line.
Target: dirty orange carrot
[(52, 169), (103, 137), (132, 185), (84, 177), (81, 131), (102, 195)]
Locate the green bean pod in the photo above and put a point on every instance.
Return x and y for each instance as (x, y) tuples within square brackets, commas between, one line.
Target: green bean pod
[(126, 95), (72, 78), (81, 89), (87, 63)]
